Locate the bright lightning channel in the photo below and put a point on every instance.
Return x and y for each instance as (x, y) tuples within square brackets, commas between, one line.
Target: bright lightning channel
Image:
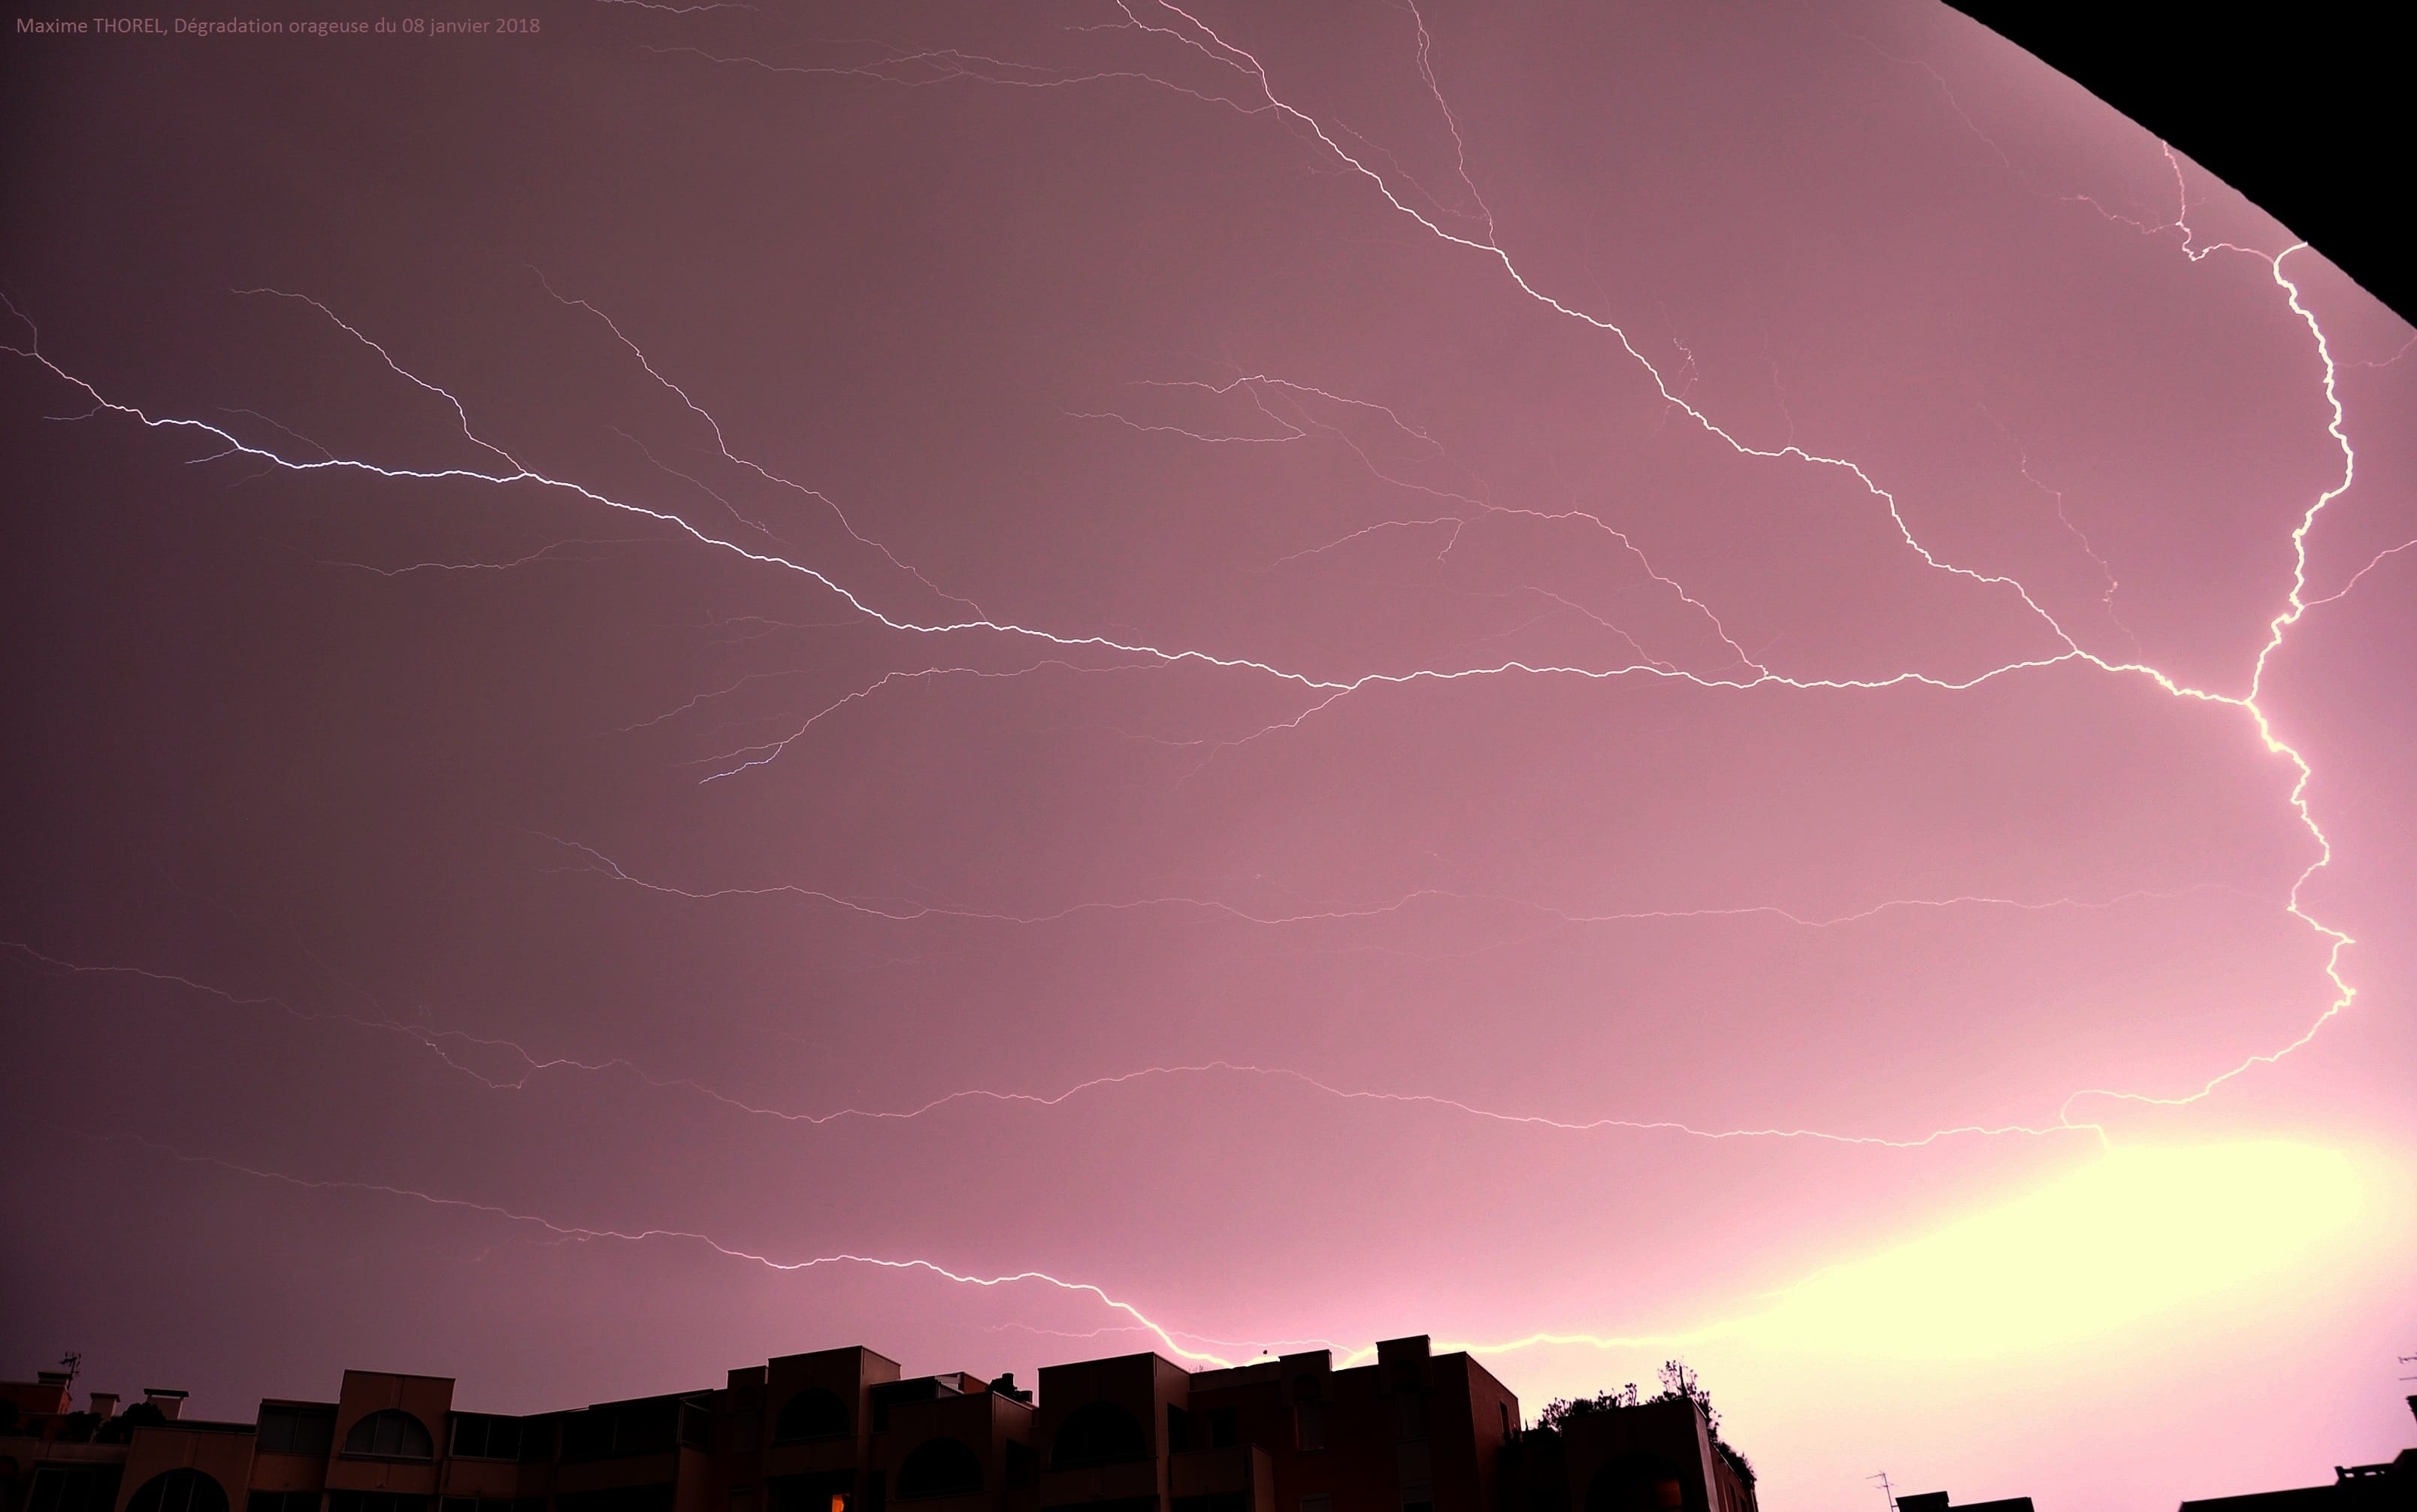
[(1191, 33)]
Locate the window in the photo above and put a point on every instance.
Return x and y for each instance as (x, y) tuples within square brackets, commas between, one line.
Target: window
[(1635, 1483), (1113, 1504), (491, 1504), (1309, 1425), (1504, 1408), (811, 1413), (939, 1467), (1320, 1503), (1409, 1416), (1224, 1428), (374, 1502), (622, 1430), (1101, 1434), (390, 1434), (828, 1493), (1418, 1496), (179, 1491), (303, 1430), (1178, 1430), (74, 1489), (652, 1498), (482, 1436), (282, 1501), (696, 1424), (537, 1440)]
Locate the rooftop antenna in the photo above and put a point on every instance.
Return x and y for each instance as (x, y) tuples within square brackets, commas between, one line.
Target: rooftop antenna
[(2405, 1359), (74, 1362), (1886, 1489)]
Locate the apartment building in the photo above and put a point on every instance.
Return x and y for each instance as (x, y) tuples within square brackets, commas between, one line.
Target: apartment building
[(845, 1430)]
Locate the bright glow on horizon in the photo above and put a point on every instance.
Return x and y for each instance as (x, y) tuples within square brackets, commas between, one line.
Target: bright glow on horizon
[(2134, 1233)]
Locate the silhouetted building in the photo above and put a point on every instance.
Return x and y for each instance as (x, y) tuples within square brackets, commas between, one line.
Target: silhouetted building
[(1938, 1502), (841, 1430), (1657, 1455), (2355, 1488)]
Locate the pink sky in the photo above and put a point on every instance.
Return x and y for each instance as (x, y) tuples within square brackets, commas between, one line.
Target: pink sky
[(1220, 681)]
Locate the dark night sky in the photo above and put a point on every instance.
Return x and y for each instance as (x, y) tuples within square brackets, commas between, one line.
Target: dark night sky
[(1218, 682)]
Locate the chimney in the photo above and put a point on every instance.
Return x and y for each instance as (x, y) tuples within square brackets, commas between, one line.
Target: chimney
[(54, 1384), (1005, 1387), (104, 1404), (170, 1403)]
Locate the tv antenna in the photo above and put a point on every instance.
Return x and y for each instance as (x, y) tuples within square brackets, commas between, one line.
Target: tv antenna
[(1886, 1489), (74, 1362)]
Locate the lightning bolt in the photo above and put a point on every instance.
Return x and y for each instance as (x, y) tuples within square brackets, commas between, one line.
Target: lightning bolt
[(1179, 28), (728, 1251)]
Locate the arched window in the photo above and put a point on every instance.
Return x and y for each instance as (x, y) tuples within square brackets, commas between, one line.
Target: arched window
[(811, 1413), (1637, 1483), (1101, 1433), (390, 1434), (939, 1467), (179, 1491)]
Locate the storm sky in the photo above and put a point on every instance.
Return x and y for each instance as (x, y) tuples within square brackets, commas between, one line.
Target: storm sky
[(1726, 680)]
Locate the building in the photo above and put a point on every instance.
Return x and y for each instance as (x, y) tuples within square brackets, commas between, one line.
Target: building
[(1639, 1457), (1938, 1502), (843, 1431)]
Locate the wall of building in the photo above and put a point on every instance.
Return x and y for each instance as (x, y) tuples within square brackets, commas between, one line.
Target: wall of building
[(832, 1429)]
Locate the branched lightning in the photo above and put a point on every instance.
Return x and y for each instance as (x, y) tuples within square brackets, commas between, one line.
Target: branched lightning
[(1473, 230)]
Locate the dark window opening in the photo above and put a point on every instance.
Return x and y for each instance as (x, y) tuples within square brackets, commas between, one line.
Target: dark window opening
[(1411, 1415), (282, 1501), (1419, 1497), (811, 1413), (1178, 1430), (301, 1430), (389, 1434), (829, 1492), (74, 1489), (1215, 1502), (1635, 1483), (651, 1498), (377, 1502), (1224, 1428), (1100, 1433), (484, 1436), (621, 1430), (179, 1491), (939, 1467), (1309, 1425)]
